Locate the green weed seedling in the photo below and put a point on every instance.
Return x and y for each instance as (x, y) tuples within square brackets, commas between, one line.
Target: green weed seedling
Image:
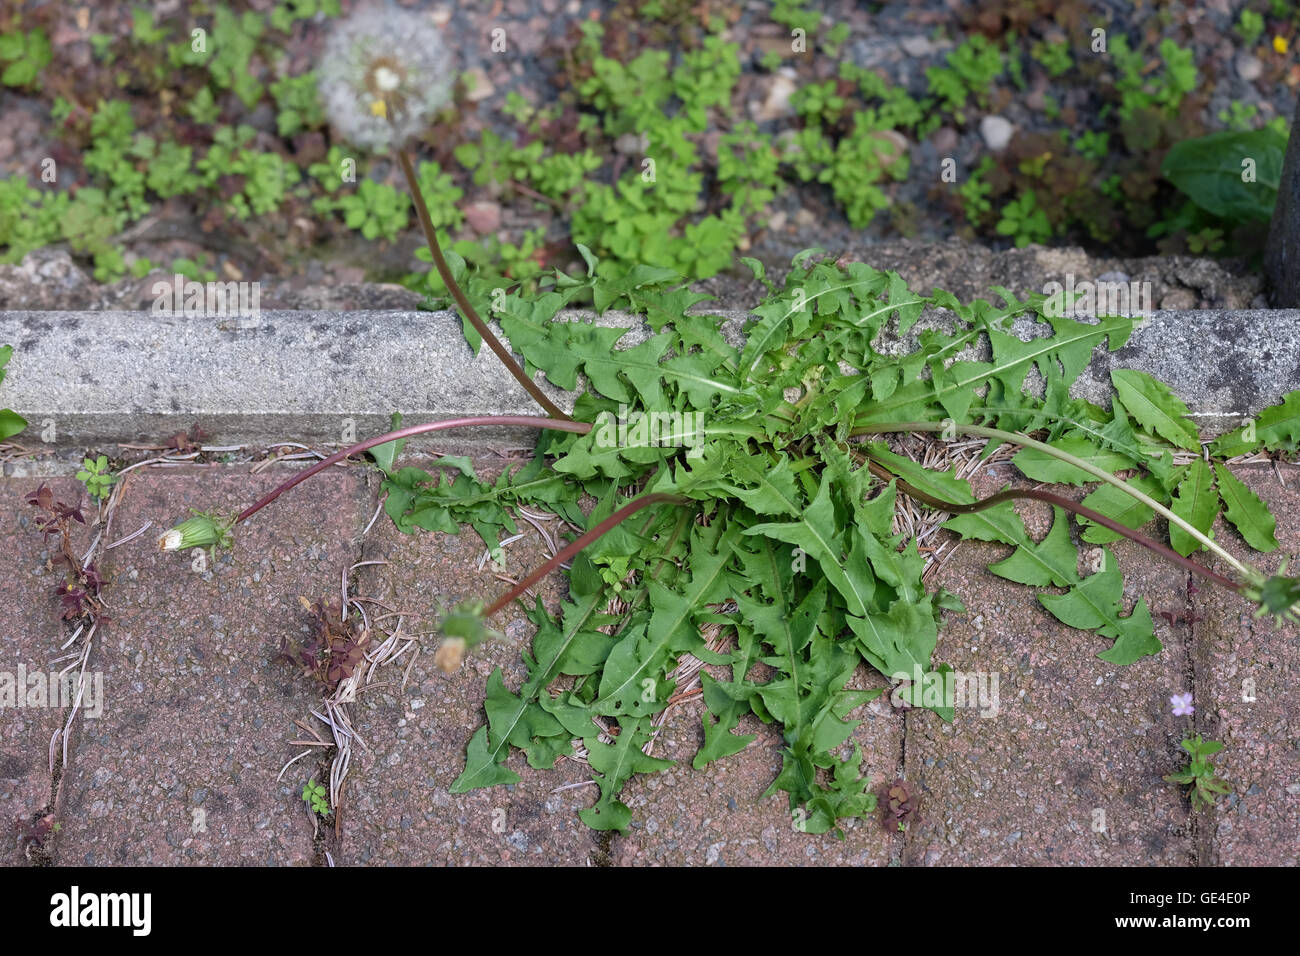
[(1024, 221), (22, 57), (97, 478), (1207, 786), (317, 797)]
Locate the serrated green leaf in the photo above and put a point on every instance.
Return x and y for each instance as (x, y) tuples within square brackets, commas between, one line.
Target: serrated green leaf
[(1040, 466), (481, 766), (816, 534), (1118, 435), (1000, 523), (900, 642), (1134, 637), (1052, 561), (721, 717), (1196, 501), (614, 764), (939, 484), (767, 490), (1246, 511), (1121, 507), (1071, 346), (1276, 427), (1093, 604), (1156, 407), (671, 630)]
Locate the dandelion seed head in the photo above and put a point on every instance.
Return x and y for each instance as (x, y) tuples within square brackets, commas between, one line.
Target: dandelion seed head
[(384, 74), (387, 80)]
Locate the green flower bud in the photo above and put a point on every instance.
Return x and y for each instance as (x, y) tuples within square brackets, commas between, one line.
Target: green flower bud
[(201, 531), (464, 629), (1278, 595)]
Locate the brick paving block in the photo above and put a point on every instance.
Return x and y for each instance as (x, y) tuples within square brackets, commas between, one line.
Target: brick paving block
[(397, 806), (181, 768), (1073, 734), (31, 635), (1248, 696), (718, 816)]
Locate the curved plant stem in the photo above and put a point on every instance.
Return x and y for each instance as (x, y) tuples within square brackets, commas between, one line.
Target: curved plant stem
[(522, 421), (1059, 501), (1245, 570), (564, 554), (431, 237)]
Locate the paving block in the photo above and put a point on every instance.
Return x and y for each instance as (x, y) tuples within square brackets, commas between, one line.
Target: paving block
[(718, 816), (181, 768), (1248, 696), (1074, 737), (397, 808), (32, 635)]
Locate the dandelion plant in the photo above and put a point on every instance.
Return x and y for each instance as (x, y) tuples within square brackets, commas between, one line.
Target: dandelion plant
[(751, 490)]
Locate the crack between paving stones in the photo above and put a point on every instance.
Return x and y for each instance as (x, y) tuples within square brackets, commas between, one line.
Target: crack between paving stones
[(901, 843), (329, 838), (46, 855), (1201, 826), (321, 830), (603, 854)]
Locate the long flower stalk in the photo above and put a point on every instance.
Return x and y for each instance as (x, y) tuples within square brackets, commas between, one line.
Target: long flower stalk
[(520, 421), (1249, 574), (431, 238), (573, 548)]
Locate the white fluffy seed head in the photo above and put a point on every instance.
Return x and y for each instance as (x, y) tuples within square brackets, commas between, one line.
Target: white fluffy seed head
[(171, 541), (384, 74), (387, 79)]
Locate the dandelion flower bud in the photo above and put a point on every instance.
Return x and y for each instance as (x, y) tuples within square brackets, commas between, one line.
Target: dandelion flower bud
[(201, 531), (383, 75), (450, 655), (1279, 596), (464, 628)]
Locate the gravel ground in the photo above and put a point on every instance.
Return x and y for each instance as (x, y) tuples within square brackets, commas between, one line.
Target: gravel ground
[(898, 40)]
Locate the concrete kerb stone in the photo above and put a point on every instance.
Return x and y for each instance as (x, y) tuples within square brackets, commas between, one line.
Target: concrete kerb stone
[(89, 378)]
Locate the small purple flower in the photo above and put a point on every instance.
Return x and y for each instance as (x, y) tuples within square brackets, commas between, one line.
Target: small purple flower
[(1182, 705)]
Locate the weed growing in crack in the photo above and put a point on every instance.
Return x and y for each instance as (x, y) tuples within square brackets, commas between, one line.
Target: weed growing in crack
[(332, 649), (96, 475), (34, 835), (78, 592), (315, 796), (780, 526), (1206, 784)]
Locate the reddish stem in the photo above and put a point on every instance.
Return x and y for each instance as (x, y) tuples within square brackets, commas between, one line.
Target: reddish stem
[(1169, 554), (431, 237), (522, 421), (613, 521)]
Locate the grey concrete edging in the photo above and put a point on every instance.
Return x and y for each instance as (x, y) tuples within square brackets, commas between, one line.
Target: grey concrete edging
[(100, 378)]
